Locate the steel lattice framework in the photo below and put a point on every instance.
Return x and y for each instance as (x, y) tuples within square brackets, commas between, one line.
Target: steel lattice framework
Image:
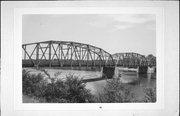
[(130, 59), (151, 60), (64, 54)]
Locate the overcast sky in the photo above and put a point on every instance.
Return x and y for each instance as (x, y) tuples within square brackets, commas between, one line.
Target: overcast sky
[(113, 33)]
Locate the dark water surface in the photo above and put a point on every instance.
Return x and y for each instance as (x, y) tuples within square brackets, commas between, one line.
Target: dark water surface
[(136, 82)]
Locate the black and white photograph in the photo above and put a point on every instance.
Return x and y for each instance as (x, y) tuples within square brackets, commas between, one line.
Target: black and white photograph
[(89, 58)]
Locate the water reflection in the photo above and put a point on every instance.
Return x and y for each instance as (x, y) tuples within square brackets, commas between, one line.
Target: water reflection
[(147, 80), (136, 82)]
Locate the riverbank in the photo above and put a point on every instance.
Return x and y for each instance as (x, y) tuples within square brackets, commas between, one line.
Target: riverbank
[(97, 87)]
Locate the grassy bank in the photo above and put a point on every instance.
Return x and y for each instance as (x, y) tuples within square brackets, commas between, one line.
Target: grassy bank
[(39, 89)]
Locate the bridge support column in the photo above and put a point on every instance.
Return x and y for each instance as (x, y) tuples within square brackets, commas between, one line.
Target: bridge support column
[(143, 69), (151, 69), (108, 72), (146, 69)]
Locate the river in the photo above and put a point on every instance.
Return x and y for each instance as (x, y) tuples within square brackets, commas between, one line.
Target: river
[(136, 82)]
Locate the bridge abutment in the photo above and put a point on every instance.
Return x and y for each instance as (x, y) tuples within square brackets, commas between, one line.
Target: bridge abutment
[(143, 69), (146, 69), (108, 72)]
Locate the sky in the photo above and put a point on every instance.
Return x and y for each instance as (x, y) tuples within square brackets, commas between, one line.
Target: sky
[(115, 33)]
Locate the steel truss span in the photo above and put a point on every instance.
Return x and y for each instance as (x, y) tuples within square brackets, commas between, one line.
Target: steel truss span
[(131, 59), (64, 54)]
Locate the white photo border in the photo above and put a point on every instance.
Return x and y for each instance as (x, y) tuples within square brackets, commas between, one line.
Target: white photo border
[(19, 12)]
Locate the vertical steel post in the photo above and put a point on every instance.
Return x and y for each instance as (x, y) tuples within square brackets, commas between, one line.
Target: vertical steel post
[(37, 52), (62, 60), (80, 57), (94, 60), (71, 56), (25, 52), (87, 57), (59, 50), (50, 54), (59, 55)]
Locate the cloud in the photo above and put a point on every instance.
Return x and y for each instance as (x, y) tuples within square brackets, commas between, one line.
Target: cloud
[(99, 23), (122, 21), (130, 18), (123, 26)]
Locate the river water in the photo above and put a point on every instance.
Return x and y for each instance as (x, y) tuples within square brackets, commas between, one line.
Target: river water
[(136, 82)]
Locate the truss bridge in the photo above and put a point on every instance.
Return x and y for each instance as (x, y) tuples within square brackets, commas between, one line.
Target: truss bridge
[(65, 54)]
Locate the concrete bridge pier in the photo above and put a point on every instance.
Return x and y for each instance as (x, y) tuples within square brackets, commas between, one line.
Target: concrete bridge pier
[(151, 69), (146, 69), (142, 69)]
